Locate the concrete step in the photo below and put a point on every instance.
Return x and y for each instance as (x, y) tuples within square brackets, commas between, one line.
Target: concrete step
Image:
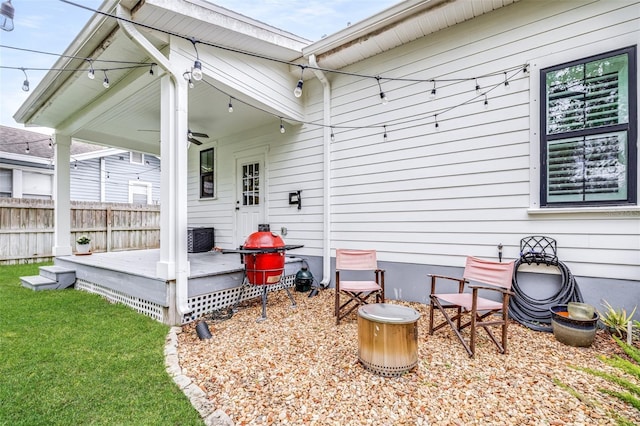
[(65, 277), (37, 282)]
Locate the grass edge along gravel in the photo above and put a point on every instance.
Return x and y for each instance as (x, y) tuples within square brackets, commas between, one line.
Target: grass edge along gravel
[(71, 357)]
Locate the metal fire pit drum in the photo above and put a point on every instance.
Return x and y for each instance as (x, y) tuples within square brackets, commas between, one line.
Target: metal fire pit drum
[(388, 338)]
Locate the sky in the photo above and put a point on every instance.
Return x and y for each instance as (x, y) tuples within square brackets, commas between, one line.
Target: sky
[(51, 25)]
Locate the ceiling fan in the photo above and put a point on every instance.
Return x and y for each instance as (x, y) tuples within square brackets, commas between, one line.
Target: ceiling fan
[(191, 136)]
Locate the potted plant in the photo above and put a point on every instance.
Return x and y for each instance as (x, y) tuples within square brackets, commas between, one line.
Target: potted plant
[(83, 245)]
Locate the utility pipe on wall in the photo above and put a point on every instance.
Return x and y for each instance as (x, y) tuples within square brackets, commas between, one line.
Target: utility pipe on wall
[(174, 252), (326, 249)]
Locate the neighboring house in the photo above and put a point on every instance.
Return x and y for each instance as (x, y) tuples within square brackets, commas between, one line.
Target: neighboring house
[(97, 173), (423, 181)]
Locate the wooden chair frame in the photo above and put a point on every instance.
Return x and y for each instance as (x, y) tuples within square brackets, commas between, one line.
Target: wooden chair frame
[(357, 292), (471, 304)]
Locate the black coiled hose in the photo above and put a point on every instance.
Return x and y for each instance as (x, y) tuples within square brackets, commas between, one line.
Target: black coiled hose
[(535, 313)]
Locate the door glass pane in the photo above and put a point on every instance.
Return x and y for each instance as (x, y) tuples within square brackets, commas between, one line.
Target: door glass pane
[(251, 184)]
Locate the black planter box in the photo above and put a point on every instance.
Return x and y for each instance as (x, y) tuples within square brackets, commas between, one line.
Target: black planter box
[(199, 240)]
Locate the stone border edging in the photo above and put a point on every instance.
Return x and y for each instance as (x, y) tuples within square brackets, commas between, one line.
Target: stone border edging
[(196, 396)]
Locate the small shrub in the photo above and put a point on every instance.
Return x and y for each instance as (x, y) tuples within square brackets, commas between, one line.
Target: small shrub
[(616, 320), (83, 240)]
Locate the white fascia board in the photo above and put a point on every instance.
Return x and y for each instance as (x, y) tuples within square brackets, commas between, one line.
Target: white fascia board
[(25, 158), (97, 154)]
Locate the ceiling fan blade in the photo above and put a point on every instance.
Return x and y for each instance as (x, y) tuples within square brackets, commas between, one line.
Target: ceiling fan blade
[(199, 135), (194, 141)]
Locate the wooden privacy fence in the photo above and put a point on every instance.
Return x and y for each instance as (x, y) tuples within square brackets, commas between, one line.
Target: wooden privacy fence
[(27, 226)]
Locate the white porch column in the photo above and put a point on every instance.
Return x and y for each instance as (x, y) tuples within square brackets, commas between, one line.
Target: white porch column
[(173, 263), (62, 196)]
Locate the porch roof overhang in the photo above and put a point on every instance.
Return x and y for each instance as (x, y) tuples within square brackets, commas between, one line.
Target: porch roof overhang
[(127, 115)]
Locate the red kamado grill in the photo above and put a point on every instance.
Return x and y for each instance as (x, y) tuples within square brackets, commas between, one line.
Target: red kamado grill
[(263, 254)]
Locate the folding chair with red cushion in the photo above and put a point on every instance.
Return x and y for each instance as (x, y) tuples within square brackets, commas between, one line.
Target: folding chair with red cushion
[(357, 292), (481, 312)]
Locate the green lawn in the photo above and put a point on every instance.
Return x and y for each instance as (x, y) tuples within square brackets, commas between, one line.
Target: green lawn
[(70, 357)]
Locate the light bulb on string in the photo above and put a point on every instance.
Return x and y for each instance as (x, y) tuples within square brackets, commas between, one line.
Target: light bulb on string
[(196, 70), (27, 150), (506, 81), (75, 165), (230, 105), (486, 102), (6, 19), (477, 87), (282, 129), (50, 144), (25, 84), (432, 95), (297, 92), (333, 136), (435, 118), (91, 74), (105, 82), (384, 136), (151, 69), (383, 96)]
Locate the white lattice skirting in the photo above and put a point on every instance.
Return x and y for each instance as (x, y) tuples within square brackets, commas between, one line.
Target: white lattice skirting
[(201, 305), (142, 306), (210, 302)]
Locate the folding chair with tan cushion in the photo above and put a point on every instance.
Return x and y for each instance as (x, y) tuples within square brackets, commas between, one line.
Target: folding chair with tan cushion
[(357, 292), (481, 312)]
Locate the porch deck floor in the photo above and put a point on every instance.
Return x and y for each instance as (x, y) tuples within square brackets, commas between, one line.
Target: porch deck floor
[(143, 262)]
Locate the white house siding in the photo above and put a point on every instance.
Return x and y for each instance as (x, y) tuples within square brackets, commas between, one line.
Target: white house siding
[(121, 171), (433, 197), (85, 180), (428, 197)]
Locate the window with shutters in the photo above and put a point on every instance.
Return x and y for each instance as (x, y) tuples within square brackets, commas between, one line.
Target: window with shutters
[(589, 131)]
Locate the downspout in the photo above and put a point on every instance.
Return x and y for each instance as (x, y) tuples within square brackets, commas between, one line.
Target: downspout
[(326, 243), (181, 267)]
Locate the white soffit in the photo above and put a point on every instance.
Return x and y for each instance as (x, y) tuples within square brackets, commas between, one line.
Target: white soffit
[(395, 26)]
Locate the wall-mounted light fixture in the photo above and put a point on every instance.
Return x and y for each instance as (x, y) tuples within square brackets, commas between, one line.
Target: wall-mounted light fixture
[(296, 198)]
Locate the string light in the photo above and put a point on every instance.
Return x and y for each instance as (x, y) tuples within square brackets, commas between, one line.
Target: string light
[(384, 136), (506, 82), (477, 87), (187, 77), (151, 69), (297, 92), (75, 165), (105, 82), (50, 144), (486, 102), (7, 12), (196, 70), (333, 136), (435, 117), (383, 96), (282, 129), (25, 84), (27, 150), (91, 73), (230, 104), (432, 95)]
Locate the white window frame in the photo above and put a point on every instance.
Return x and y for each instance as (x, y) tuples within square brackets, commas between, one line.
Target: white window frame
[(214, 148), (546, 61), (143, 187)]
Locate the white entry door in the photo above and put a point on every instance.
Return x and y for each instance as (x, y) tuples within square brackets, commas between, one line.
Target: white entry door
[(249, 197)]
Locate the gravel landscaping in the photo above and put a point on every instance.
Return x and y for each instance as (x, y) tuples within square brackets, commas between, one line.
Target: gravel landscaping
[(298, 367)]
